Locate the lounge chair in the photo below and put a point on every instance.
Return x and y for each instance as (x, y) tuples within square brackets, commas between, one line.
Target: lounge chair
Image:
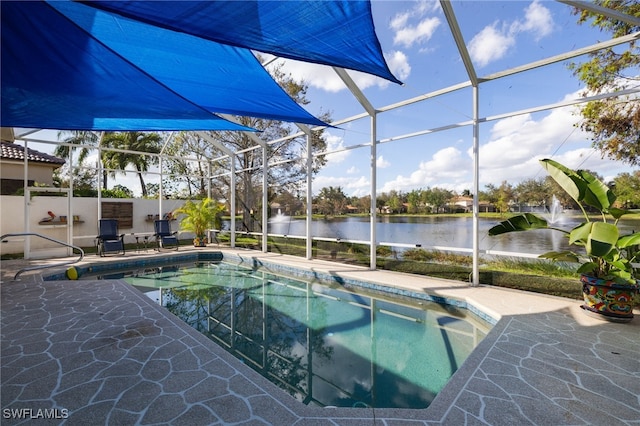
[(163, 235), (108, 239)]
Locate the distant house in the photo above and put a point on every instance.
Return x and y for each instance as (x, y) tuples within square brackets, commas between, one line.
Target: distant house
[(40, 170), (486, 207), (352, 209), (463, 204)]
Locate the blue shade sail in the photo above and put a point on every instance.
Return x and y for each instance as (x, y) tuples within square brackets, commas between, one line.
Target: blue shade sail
[(337, 32), (69, 66)]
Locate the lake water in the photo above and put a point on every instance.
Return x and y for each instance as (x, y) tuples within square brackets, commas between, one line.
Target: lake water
[(432, 231)]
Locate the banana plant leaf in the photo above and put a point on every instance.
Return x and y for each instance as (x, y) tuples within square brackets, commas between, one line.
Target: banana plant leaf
[(629, 240), (582, 186), (561, 256), (523, 222), (602, 238)]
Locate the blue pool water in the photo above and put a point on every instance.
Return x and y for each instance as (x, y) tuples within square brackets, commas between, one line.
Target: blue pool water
[(325, 345)]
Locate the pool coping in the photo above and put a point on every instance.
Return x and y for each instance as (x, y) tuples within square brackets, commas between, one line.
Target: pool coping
[(472, 389), (293, 271)]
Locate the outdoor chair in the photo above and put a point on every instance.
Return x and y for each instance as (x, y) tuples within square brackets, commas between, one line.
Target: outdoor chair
[(163, 235), (108, 239)]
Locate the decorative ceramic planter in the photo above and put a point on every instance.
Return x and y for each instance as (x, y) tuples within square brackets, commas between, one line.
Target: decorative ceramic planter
[(200, 242), (609, 300)]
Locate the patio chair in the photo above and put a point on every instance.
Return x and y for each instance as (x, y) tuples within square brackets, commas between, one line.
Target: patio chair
[(108, 239), (163, 235)]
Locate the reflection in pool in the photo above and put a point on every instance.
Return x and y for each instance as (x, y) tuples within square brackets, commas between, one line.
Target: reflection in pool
[(323, 344)]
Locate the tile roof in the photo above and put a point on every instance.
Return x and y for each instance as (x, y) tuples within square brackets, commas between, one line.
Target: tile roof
[(12, 151)]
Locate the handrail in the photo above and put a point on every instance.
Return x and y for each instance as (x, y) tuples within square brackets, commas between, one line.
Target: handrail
[(33, 268)]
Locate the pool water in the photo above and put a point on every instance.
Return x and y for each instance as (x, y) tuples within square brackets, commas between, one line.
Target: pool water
[(325, 345)]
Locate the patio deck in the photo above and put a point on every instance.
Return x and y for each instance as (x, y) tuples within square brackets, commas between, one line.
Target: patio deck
[(100, 352)]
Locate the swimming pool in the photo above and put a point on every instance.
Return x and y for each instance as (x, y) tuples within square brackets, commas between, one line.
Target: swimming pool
[(324, 344)]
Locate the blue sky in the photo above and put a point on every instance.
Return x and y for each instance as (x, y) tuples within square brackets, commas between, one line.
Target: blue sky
[(420, 51)]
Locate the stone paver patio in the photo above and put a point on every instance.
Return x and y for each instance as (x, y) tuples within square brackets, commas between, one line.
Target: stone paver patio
[(100, 352)]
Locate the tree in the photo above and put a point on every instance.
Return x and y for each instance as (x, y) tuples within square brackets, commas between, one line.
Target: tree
[(534, 191), (627, 188), (505, 195), (77, 137), (414, 201), (331, 200), (188, 165), (395, 201), (364, 204), (437, 198), (290, 204), (123, 189), (132, 141), (290, 154), (84, 182), (613, 122), (490, 194)]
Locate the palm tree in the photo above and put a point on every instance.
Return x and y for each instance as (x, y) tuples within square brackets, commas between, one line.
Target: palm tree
[(132, 141), (76, 137)]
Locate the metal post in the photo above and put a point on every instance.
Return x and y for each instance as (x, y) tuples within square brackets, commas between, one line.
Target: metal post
[(476, 189), (309, 250), (373, 215), (27, 202), (100, 175), (265, 199), (70, 205), (160, 192), (232, 205)]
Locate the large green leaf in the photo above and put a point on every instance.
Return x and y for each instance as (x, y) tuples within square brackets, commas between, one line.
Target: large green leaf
[(568, 180), (618, 213), (561, 256), (598, 194), (587, 268), (523, 222), (629, 240), (580, 234), (602, 238), (582, 186)]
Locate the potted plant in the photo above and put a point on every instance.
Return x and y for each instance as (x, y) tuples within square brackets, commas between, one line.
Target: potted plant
[(200, 217), (610, 282)]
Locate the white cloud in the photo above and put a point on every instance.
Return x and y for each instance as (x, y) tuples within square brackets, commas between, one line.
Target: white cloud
[(398, 63), (325, 78), (381, 163), (489, 45), (447, 169), (537, 20), (510, 153), (358, 186), (517, 143), (416, 34), (411, 27), (336, 143), (353, 170), (494, 41)]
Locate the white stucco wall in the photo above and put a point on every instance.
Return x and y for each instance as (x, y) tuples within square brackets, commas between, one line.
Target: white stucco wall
[(38, 172), (12, 220)]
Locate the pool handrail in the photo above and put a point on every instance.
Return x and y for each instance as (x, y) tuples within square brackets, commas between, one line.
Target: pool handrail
[(36, 267)]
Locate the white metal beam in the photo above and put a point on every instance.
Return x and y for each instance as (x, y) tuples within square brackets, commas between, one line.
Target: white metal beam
[(355, 90), (610, 13), (232, 190), (457, 36)]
